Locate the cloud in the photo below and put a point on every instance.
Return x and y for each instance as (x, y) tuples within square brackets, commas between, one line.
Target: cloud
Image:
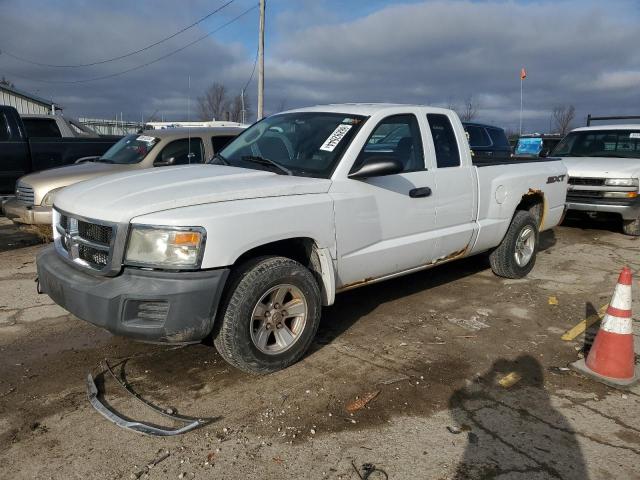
[(579, 52)]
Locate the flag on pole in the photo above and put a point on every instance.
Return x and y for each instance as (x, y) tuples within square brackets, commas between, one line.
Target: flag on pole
[(523, 73)]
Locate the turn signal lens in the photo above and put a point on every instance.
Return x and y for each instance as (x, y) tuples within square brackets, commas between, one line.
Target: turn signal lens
[(186, 238)]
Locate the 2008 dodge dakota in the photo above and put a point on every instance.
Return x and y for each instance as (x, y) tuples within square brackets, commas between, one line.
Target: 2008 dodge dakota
[(300, 206)]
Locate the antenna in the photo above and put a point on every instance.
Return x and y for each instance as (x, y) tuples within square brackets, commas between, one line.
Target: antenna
[(189, 118)]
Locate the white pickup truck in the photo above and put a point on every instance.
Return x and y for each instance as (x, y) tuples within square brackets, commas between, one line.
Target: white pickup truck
[(300, 206), (603, 164)]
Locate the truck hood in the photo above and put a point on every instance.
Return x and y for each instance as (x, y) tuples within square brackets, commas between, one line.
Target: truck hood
[(602, 167), (46, 180), (123, 196)]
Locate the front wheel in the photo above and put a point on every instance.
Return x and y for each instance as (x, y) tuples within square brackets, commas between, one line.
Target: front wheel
[(270, 316), (631, 227), (516, 254)]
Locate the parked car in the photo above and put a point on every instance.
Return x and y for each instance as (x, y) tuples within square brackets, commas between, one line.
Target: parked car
[(536, 145), (38, 142), (604, 171), (488, 143), (300, 206), (36, 192)]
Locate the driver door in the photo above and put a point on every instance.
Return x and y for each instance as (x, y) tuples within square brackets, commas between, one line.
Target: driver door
[(385, 224)]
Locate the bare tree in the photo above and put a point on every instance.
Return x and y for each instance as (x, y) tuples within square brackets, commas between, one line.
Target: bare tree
[(214, 104), (8, 83), (562, 117), (469, 110)]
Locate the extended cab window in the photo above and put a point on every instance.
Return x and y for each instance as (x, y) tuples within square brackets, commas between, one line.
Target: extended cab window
[(444, 141), (498, 137), (399, 136), (220, 141), (42, 127), (477, 136), (181, 152)]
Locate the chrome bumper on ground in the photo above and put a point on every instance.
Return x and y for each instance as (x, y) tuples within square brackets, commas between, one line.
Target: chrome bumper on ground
[(19, 212)]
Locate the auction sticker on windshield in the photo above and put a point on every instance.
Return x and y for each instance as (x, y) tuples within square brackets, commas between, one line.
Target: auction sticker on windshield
[(146, 139), (333, 140), (634, 135)]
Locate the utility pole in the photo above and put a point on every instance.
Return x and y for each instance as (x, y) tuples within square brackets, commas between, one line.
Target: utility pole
[(261, 63), (243, 109)]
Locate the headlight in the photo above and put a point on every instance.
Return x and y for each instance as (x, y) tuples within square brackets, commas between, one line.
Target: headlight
[(47, 201), (179, 247), (621, 182)]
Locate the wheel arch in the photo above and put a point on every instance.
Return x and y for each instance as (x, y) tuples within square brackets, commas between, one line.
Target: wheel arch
[(304, 250), (534, 201)]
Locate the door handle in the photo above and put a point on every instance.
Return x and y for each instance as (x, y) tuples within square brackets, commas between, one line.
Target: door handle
[(420, 192)]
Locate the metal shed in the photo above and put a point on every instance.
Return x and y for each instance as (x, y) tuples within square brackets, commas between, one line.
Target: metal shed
[(25, 102)]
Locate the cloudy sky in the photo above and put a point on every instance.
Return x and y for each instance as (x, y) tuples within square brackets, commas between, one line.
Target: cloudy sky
[(579, 52)]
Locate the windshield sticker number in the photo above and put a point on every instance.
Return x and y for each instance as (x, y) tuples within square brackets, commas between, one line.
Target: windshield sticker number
[(332, 142), (634, 135), (145, 139)]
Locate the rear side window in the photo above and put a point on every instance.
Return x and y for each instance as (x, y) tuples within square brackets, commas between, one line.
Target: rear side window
[(444, 141), (42, 127), (221, 141), (498, 137), (478, 136), (182, 152)]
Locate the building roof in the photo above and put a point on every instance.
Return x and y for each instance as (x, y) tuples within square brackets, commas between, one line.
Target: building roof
[(30, 96)]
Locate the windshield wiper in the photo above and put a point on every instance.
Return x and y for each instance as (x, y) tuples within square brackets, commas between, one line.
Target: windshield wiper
[(267, 162), (103, 160)]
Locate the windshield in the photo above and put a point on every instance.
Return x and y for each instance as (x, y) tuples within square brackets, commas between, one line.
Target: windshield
[(600, 143), (305, 144), (129, 149)]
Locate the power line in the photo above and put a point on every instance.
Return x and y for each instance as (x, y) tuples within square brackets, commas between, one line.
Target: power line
[(138, 67), (253, 71), (120, 57)]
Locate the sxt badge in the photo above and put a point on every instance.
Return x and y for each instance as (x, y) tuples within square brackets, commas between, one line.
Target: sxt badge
[(557, 178)]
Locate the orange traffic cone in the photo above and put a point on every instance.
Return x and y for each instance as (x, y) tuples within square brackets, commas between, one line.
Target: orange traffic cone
[(611, 358)]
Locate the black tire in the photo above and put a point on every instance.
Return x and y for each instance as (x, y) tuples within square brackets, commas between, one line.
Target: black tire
[(631, 227), (503, 259), (247, 285)]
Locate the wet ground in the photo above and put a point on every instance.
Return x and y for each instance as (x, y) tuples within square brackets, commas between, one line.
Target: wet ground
[(464, 373)]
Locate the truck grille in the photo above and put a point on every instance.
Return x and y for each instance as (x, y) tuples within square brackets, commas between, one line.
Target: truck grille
[(590, 182), (582, 194), (84, 242), (24, 193)]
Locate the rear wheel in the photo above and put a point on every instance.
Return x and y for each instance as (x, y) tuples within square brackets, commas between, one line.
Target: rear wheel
[(516, 254), (270, 316), (631, 227)]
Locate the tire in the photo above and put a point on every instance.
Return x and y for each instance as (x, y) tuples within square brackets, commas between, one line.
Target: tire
[(504, 259), (631, 227), (245, 336)]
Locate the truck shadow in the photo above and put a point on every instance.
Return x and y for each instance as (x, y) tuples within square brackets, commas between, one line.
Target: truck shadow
[(601, 222), (352, 305), (13, 237)]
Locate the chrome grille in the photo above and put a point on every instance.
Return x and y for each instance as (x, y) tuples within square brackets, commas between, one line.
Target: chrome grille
[(24, 193), (87, 243)]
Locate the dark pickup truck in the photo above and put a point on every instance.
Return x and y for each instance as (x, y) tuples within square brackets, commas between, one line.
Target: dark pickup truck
[(39, 142)]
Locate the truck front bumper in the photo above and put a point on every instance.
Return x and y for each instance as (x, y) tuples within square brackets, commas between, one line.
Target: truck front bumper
[(147, 305), (27, 214), (627, 209)]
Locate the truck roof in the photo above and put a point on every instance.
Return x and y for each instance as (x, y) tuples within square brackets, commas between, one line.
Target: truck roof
[(626, 126), (362, 108), (180, 132)]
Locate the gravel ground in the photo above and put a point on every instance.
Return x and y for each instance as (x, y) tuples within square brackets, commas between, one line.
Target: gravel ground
[(435, 353)]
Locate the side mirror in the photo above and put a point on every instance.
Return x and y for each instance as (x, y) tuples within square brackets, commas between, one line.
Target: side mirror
[(544, 152), (165, 163), (378, 166)]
